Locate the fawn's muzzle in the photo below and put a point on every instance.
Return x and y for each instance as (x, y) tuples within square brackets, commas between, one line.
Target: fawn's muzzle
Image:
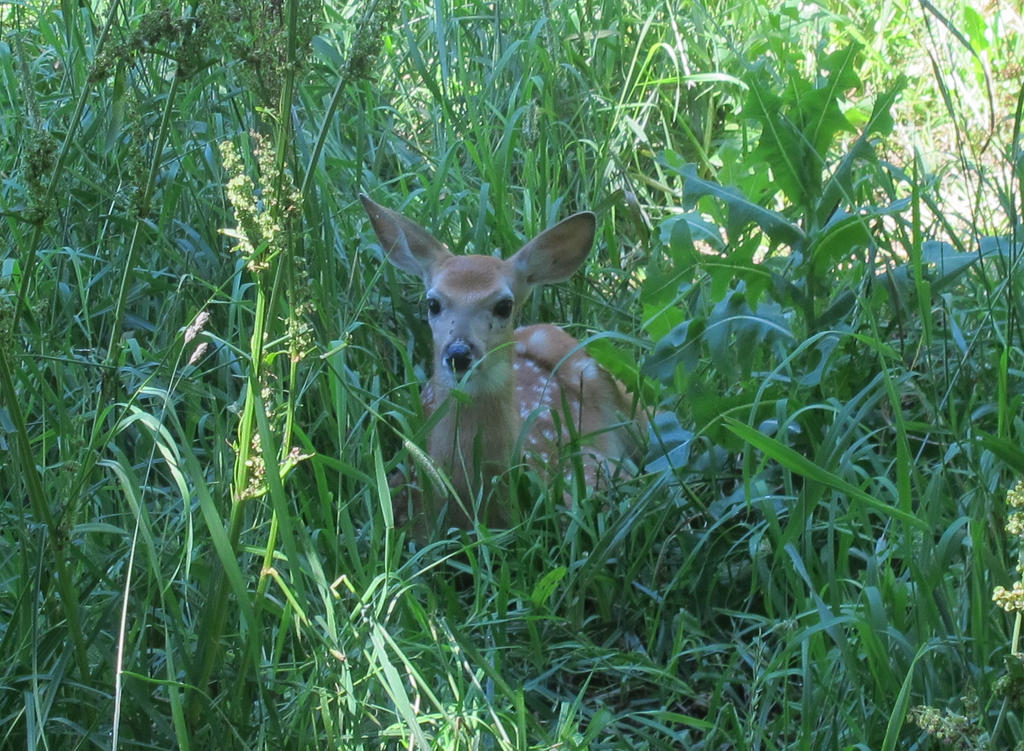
[(458, 357)]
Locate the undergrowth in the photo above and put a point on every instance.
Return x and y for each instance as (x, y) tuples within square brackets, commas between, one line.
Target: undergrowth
[(808, 261)]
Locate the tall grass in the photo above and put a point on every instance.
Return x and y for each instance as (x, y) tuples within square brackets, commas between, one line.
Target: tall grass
[(808, 258)]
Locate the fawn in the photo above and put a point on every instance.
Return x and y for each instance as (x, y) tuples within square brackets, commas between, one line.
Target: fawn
[(529, 392)]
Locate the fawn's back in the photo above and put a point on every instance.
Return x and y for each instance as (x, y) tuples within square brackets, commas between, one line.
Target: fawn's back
[(531, 392)]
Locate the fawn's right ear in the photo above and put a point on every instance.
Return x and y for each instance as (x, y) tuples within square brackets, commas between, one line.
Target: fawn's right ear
[(409, 246)]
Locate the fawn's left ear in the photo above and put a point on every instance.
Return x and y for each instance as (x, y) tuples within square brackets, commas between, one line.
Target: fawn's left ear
[(556, 253), (409, 246)]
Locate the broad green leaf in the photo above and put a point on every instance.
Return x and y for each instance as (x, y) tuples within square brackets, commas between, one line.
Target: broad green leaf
[(742, 212), (847, 232), (825, 101), (671, 444), (942, 265), (679, 235), (736, 333), (839, 188), (945, 263), (681, 346)]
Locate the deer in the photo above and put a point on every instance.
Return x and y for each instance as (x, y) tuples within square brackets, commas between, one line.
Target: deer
[(506, 394)]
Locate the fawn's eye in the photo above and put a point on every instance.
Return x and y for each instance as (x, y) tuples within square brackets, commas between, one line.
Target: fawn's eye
[(503, 308), (433, 307)]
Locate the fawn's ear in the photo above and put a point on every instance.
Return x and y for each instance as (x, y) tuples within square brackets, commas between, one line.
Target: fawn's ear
[(409, 246), (556, 253)]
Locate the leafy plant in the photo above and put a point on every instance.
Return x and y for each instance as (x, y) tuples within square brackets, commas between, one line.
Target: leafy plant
[(196, 540)]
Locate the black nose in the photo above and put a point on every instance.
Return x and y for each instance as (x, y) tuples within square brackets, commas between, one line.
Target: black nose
[(458, 357)]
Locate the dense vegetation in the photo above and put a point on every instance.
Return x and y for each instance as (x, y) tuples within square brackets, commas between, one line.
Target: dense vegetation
[(809, 258)]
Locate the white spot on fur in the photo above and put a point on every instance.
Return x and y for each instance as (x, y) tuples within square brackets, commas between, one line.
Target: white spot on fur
[(539, 340), (586, 369)]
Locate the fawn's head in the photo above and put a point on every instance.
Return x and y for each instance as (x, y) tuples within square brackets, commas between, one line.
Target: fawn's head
[(472, 300)]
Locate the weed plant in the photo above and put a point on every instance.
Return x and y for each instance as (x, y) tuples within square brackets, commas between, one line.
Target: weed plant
[(808, 261)]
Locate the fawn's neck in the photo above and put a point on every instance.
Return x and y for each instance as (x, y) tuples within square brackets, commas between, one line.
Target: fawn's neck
[(474, 439)]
